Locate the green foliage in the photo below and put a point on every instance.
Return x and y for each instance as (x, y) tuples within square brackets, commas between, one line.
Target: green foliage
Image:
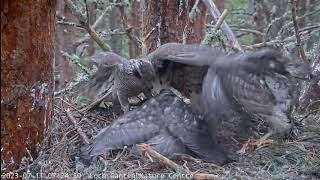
[(299, 156), (238, 13)]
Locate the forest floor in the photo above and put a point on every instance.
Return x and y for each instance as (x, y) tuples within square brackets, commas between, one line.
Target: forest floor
[(59, 154)]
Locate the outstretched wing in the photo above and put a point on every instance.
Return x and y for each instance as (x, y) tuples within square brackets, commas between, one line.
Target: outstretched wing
[(182, 66), (137, 126), (117, 136), (191, 54), (245, 83), (131, 128), (254, 85), (100, 82)]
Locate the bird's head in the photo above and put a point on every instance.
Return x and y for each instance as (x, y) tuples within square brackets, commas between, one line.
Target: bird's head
[(148, 75)]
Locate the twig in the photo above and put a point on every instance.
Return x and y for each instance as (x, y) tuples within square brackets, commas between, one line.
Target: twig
[(248, 31), (120, 154), (273, 21), (94, 35), (99, 19), (270, 43), (70, 87), (221, 18), (78, 128), (296, 29), (211, 7), (145, 148), (69, 23), (84, 21), (309, 28), (76, 60), (87, 12), (81, 133)]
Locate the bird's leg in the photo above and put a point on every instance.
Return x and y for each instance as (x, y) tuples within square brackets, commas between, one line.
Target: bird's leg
[(123, 99)]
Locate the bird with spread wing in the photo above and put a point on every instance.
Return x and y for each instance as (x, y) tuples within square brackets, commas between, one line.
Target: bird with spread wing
[(255, 85), (131, 77)]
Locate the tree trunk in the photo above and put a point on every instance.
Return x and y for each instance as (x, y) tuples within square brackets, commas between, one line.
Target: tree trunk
[(115, 26), (27, 55), (135, 50), (150, 24), (65, 37), (179, 22)]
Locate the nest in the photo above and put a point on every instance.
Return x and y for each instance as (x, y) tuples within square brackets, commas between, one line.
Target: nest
[(258, 158)]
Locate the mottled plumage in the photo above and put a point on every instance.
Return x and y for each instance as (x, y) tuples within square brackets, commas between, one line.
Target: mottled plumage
[(166, 123), (252, 85), (131, 77)]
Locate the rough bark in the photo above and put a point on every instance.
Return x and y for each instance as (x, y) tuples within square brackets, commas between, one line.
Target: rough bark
[(135, 50), (27, 29), (65, 37), (151, 29), (173, 21), (176, 21)]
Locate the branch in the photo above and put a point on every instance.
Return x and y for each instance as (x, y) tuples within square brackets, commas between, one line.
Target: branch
[(270, 43), (76, 60), (146, 149), (87, 12), (94, 35), (69, 88), (248, 31), (309, 28), (296, 29), (221, 18), (62, 20), (84, 21), (81, 133), (78, 128), (211, 7), (99, 19)]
